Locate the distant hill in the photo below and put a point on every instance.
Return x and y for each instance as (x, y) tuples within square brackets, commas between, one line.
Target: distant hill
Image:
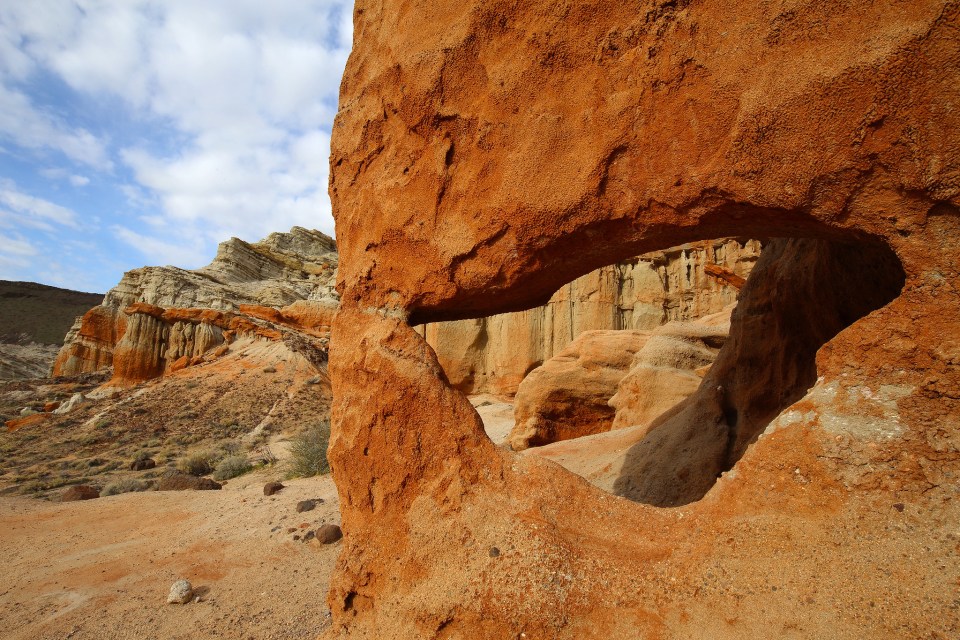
[(43, 314)]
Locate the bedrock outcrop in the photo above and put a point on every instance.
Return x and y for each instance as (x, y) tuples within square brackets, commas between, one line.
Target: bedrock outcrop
[(161, 319), (494, 354), (487, 153), (615, 379), (568, 396)]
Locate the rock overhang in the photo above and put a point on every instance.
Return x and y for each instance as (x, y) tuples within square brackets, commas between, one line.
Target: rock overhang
[(487, 153)]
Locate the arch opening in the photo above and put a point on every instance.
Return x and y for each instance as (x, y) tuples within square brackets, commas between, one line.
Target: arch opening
[(668, 394)]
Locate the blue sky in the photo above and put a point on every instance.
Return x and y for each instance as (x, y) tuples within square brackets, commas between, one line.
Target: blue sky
[(144, 132)]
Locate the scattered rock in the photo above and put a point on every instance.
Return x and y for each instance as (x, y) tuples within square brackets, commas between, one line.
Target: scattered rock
[(184, 482), (328, 534), (80, 492), (494, 552), (180, 593), (271, 488), (310, 535), (143, 464), (306, 505), (27, 411), (75, 401), (50, 406)]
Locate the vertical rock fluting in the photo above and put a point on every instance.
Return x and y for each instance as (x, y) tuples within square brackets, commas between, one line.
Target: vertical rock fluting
[(158, 318), (486, 153), (495, 354)]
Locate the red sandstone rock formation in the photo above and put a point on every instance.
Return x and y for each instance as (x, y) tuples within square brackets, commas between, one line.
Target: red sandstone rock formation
[(486, 153), (494, 354), (568, 396), (163, 319)]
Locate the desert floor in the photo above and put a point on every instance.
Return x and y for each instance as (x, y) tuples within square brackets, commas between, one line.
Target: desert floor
[(103, 568)]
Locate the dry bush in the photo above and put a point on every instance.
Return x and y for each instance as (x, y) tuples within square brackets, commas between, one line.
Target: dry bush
[(308, 451), (198, 463), (231, 467)]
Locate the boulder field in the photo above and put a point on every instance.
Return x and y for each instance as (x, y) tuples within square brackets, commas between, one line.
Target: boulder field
[(487, 153)]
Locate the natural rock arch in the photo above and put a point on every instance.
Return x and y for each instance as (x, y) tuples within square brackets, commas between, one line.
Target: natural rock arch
[(486, 153)]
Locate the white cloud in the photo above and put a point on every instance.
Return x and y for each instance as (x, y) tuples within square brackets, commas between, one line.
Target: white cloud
[(30, 207), (245, 93), (26, 126), (161, 252), (15, 252)]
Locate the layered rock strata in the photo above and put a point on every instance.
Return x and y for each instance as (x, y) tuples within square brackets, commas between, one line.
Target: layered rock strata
[(615, 379), (160, 319), (493, 354), (486, 153)]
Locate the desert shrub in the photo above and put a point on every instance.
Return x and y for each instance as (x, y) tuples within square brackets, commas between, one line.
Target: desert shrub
[(231, 467), (126, 485), (230, 448), (308, 451), (198, 463)]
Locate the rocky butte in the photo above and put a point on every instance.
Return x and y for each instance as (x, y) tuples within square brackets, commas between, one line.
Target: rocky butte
[(162, 319), (487, 153)]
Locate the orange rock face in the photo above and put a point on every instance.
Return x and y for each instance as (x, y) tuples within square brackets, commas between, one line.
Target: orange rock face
[(568, 396), (486, 153), (100, 330)]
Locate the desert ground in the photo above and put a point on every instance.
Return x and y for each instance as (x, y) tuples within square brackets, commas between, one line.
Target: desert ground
[(103, 568)]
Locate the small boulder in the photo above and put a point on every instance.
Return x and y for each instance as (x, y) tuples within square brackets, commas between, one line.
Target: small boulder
[(28, 411), (75, 400), (306, 505), (50, 406), (180, 593), (329, 533), (141, 464), (206, 484), (271, 488), (80, 492), (185, 482)]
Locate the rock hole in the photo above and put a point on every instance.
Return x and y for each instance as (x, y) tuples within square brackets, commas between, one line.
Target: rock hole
[(663, 389)]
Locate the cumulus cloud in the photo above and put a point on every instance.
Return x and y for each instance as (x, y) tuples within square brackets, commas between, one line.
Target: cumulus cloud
[(31, 211), (26, 126), (244, 93)]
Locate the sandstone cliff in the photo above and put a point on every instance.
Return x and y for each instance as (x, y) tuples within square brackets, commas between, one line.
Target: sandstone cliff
[(159, 319), (615, 379), (487, 152), (494, 354)]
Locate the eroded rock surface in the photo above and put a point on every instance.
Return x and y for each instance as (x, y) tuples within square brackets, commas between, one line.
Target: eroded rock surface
[(568, 396), (494, 354), (487, 153), (162, 319)]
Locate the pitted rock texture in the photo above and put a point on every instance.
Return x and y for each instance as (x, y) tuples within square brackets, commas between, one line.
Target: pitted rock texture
[(161, 319), (486, 153), (494, 354)]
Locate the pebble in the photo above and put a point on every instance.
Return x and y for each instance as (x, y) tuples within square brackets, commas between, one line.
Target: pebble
[(180, 593)]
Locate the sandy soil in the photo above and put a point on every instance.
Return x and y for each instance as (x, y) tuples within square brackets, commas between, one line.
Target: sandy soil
[(497, 415), (103, 568)]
